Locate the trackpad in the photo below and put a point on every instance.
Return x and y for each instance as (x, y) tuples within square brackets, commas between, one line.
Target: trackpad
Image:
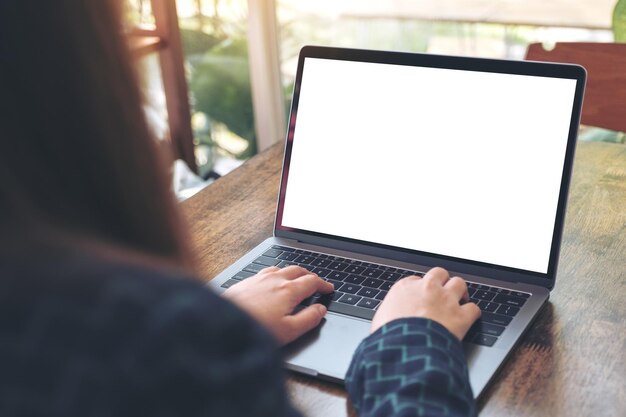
[(327, 350)]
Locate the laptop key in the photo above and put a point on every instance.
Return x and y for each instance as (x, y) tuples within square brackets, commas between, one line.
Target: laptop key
[(390, 276), (372, 283), (350, 299), (484, 295), (507, 310), (339, 276), (381, 295), (495, 318), (350, 288), (283, 248), (338, 266), (287, 256), (372, 273), (321, 272), (484, 339), (321, 262), (241, 275), (254, 268), (368, 292), (264, 260), (487, 306), (510, 300), (386, 285), (229, 283), (520, 294), (304, 259), (354, 279), (272, 253), (487, 328), (368, 303), (355, 269), (351, 310)]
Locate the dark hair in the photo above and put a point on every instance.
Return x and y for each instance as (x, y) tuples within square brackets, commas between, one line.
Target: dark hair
[(75, 151)]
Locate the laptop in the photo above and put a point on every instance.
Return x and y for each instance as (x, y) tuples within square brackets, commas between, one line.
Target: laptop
[(397, 162)]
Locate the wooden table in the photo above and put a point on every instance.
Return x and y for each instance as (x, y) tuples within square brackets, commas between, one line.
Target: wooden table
[(572, 361)]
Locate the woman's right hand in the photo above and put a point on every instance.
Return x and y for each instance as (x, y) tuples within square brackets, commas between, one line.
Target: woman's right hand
[(436, 296), (272, 295)]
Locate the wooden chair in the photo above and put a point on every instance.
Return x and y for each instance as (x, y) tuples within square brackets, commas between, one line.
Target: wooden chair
[(604, 103)]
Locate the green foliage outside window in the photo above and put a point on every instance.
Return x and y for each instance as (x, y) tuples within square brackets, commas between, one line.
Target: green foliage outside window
[(220, 87), (619, 21), (216, 53)]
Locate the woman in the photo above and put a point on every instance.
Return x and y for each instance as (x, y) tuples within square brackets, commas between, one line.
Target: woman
[(99, 314)]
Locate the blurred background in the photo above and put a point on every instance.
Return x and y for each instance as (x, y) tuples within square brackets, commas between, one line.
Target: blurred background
[(239, 57)]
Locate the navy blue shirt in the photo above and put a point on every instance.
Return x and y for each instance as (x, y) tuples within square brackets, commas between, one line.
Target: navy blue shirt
[(410, 367), (83, 336)]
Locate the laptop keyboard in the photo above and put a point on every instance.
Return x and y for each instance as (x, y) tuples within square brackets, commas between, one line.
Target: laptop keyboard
[(361, 286)]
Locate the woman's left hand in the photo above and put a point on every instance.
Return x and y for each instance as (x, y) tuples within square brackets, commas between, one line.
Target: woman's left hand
[(272, 295)]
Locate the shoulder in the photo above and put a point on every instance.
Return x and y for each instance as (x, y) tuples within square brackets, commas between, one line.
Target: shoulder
[(97, 330), (127, 298)]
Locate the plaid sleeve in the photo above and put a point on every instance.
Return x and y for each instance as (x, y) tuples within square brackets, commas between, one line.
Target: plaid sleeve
[(410, 367)]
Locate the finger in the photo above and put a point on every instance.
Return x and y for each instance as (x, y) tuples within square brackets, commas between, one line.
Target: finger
[(470, 312), (413, 277), (437, 274), (293, 271), (458, 287), (303, 321), (327, 287), (268, 270), (307, 285)]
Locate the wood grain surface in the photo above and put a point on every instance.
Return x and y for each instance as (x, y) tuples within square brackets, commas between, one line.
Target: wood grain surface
[(571, 362)]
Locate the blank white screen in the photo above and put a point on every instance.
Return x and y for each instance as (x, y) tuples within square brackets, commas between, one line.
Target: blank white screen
[(458, 163)]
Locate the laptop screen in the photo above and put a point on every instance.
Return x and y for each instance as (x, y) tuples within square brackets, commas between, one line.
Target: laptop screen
[(458, 163)]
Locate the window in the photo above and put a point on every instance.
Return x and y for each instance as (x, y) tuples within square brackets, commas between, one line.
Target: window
[(154, 38), (207, 83), (485, 28), (193, 57)]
